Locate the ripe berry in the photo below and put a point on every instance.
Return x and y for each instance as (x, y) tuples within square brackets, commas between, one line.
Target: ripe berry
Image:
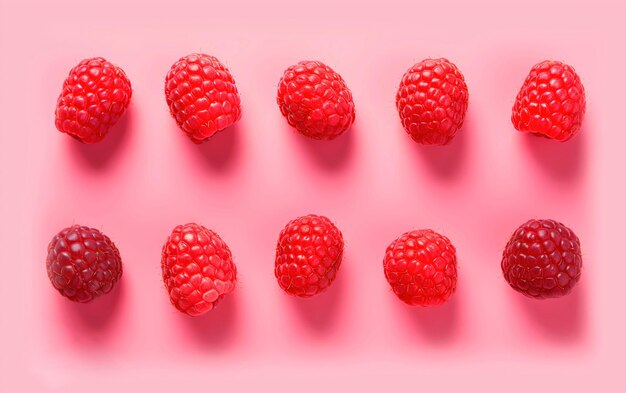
[(542, 259), (202, 96), (95, 95), (83, 263), (198, 269), (421, 268), (308, 255), (551, 102), (432, 101), (315, 100)]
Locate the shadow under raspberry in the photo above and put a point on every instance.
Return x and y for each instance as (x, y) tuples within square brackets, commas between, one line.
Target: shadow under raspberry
[(439, 324), (562, 320), (220, 152), (100, 155), (331, 155), (91, 322), (320, 312), (563, 161), (445, 162), (218, 327)]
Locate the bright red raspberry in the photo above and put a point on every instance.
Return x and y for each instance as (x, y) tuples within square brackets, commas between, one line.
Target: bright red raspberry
[(551, 102), (308, 255), (542, 259), (202, 96), (83, 263), (95, 95), (315, 100), (432, 101), (198, 269), (421, 268)]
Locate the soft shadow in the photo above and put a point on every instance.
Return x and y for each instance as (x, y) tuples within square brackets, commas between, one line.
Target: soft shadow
[(92, 320), (216, 328), (437, 324), (320, 311), (100, 155), (332, 155), (564, 161), (561, 319), (446, 161), (220, 151)]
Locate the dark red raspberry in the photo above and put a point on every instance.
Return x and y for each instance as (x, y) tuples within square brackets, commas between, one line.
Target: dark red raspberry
[(202, 96), (94, 97), (308, 255), (83, 263), (315, 100), (551, 102), (542, 259), (198, 269), (432, 101), (421, 268)]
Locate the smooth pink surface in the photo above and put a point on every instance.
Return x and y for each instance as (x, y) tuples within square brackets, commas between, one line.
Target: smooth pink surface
[(247, 182)]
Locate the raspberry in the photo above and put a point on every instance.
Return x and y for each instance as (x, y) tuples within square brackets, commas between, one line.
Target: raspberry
[(95, 95), (551, 102), (308, 255), (202, 96), (542, 259), (198, 269), (315, 100), (83, 263), (432, 101), (421, 267)]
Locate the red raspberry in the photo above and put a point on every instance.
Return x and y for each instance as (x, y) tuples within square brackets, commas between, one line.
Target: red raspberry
[(432, 101), (308, 255), (202, 96), (83, 263), (542, 259), (551, 102), (95, 95), (315, 100), (421, 268), (198, 269)]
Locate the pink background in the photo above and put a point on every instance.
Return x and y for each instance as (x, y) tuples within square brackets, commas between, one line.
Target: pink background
[(246, 183)]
